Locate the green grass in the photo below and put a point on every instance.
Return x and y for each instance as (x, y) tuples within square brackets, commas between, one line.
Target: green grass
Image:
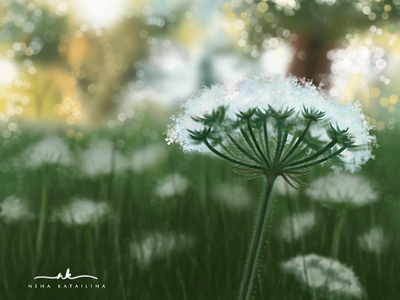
[(209, 270)]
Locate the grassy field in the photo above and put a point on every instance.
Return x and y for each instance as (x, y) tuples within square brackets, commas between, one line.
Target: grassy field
[(195, 241)]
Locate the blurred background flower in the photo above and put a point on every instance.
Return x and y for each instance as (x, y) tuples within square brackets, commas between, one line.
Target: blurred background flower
[(374, 241), (295, 226), (82, 211), (324, 278), (13, 209)]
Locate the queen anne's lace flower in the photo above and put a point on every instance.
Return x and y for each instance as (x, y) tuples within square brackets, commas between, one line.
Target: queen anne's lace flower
[(374, 241), (84, 212), (279, 93), (101, 160), (13, 209), (325, 277), (146, 157), (173, 184), (295, 226), (51, 151), (234, 198), (342, 190), (157, 245)]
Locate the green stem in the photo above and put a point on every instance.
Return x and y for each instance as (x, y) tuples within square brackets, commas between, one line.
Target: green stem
[(249, 143), (318, 161), (297, 142), (241, 149), (285, 135), (315, 155), (89, 250), (255, 142), (266, 140), (231, 159), (340, 216), (43, 218), (257, 242), (278, 143)]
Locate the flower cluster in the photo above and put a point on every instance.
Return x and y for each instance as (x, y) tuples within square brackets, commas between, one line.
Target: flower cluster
[(84, 212), (49, 152), (325, 277), (101, 160), (157, 245), (13, 209), (173, 184), (342, 190), (216, 113), (295, 226), (374, 241)]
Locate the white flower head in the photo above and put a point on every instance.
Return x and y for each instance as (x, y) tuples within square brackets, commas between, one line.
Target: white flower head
[(342, 190), (173, 184), (146, 157), (84, 212), (101, 160), (280, 93), (235, 198), (51, 151), (158, 245), (327, 277), (374, 241), (295, 226), (13, 209)]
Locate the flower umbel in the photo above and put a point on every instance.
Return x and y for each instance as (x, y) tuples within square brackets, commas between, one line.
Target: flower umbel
[(295, 226), (84, 212), (342, 191), (324, 277), (271, 127), (13, 209), (374, 241), (49, 152)]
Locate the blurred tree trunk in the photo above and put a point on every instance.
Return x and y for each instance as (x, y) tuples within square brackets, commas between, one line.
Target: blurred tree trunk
[(310, 59)]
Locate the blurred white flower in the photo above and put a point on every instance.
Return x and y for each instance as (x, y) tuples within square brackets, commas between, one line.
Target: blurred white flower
[(148, 156), (83, 212), (236, 197), (157, 245), (101, 159), (374, 241), (342, 190), (293, 227), (173, 184), (278, 92), (51, 151), (327, 277), (281, 187), (13, 209)]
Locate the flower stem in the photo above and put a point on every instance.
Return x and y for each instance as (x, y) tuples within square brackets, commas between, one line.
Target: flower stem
[(241, 149), (340, 216), (266, 140), (43, 217), (231, 159), (89, 249), (299, 140), (257, 242), (256, 143)]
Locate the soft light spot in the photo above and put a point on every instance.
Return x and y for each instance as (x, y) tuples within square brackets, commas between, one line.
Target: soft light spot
[(70, 133), (262, 7), (393, 99), (239, 24), (79, 136), (375, 92)]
